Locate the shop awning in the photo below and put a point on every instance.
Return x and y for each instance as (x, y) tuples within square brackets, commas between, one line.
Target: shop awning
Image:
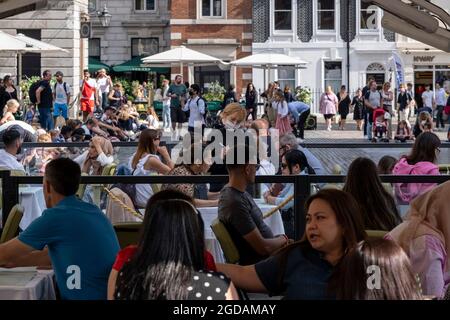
[(95, 65), (136, 64)]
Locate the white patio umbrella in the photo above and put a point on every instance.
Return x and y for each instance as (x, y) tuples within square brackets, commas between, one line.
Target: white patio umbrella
[(34, 45), (181, 55), (9, 42), (21, 44), (268, 61)]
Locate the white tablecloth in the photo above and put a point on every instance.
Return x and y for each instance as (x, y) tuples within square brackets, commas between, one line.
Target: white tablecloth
[(26, 284), (274, 222), (33, 202)]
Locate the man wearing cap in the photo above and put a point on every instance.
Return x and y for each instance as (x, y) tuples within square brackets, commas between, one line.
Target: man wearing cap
[(61, 97), (8, 156)]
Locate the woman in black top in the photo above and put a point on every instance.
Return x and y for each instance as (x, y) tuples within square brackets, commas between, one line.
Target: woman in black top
[(358, 109), (343, 107), (251, 100), (116, 96), (230, 96), (7, 92)]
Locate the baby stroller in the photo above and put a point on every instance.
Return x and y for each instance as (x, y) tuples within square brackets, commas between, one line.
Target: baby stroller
[(380, 125)]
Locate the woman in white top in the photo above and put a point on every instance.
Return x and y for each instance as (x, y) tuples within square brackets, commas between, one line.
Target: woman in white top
[(92, 161), (152, 119), (166, 105), (8, 112), (146, 162), (388, 97), (99, 155), (283, 123)]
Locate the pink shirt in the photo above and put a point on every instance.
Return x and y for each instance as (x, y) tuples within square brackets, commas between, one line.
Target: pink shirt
[(406, 192), (328, 103), (428, 258)]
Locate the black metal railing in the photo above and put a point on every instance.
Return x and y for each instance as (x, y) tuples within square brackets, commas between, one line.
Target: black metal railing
[(312, 145), (302, 186)]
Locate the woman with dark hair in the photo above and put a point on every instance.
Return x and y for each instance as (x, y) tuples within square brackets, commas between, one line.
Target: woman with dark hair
[(377, 206), (169, 261), (230, 96), (421, 161), (386, 165), (145, 161), (7, 92), (192, 165), (251, 101), (397, 280), (343, 106), (358, 109), (303, 269), (293, 162)]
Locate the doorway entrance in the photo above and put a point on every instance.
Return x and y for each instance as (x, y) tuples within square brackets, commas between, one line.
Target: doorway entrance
[(204, 76), (421, 79)]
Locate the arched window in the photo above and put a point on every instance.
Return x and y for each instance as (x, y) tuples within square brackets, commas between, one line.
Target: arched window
[(375, 67)]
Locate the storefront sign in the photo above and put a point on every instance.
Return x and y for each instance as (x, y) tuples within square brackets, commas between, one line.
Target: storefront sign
[(424, 58)]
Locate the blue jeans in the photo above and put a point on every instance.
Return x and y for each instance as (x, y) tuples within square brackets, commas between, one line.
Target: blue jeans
[(60, 110), (166, 116), (123, 170), (45, 118)]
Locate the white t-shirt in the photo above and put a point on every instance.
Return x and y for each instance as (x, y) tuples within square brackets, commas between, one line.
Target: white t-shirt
[(9, 161), (427, 98), (152, 122), (103, 85), (91, 82), (60, 93), (166, 99), (441, 99), (196, 109)]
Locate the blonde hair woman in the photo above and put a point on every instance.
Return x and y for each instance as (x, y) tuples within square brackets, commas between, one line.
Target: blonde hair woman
[(328, 105), (11, 107), (233, 116)]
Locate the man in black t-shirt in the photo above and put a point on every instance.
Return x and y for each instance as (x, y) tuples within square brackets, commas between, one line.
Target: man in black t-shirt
[(240, 214), (44, 98)]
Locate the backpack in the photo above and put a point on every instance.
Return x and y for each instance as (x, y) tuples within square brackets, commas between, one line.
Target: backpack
[(32, 91), (65, 88)]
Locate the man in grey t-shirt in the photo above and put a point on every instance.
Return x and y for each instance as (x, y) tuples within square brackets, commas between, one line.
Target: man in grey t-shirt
[(372, 101), (240, 214)]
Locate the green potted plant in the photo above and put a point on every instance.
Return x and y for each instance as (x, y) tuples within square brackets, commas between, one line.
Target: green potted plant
[(303, 94), (214, 96), (25, 87)]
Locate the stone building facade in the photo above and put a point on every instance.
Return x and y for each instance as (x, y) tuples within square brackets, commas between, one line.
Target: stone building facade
[(57, 23), (137, 28)]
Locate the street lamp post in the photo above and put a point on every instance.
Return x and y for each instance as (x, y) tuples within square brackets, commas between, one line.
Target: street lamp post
[(104, 17)]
